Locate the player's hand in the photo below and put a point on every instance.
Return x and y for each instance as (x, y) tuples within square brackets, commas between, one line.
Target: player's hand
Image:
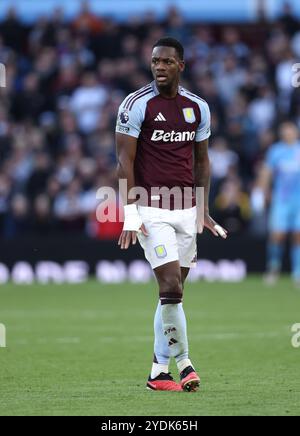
[(215, 228), (130, 237), (132, 225)]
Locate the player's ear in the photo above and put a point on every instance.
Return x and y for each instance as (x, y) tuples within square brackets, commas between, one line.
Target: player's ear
[(181, 66)]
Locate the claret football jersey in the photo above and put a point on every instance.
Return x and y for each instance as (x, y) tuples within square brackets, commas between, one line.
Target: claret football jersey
[(166, 130)]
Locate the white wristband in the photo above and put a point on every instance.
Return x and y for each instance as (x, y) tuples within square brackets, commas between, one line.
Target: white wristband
[(133, 221), (258, 200)]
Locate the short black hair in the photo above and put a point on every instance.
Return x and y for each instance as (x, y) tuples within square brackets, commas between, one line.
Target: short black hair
[(171, 42)]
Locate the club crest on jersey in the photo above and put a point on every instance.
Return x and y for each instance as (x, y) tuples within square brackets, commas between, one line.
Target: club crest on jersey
[(189, 115), (124, 117)]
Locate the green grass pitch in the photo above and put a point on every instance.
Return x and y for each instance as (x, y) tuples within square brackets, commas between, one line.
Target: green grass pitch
[(87, 350)]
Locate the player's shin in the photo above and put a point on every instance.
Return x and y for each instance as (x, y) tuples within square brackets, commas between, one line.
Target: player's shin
[(274, 257), (175, 330), (296, 262), (161, 349)]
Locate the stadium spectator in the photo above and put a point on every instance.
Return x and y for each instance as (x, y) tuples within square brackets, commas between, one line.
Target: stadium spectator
[(17, 223), (87, 22), (232, 206), (86, 103), (42, 223), (222, 159)]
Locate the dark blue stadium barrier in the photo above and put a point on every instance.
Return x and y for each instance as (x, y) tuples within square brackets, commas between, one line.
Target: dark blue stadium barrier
[(75, 259), (31, 250)]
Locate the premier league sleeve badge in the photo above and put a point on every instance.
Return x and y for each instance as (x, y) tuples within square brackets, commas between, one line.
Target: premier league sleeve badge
[(124, 117)]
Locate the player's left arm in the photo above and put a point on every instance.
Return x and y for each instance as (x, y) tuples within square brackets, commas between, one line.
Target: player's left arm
[(202, 180)]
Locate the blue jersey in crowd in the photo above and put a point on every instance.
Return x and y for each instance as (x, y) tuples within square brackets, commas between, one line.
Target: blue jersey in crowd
[(284, 161)]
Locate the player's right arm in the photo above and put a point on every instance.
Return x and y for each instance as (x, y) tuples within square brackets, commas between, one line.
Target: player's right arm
[(265, 179), (126, 146), (126, 151), (261, 191)]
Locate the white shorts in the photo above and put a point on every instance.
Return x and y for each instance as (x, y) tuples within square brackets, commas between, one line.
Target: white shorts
[(172, 236)]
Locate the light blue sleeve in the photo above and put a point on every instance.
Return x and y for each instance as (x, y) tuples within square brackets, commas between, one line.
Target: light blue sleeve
[(203, 131), (129, 122)]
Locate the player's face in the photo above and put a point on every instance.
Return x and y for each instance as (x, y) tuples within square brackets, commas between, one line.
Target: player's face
[(166, 66), (289, 133)]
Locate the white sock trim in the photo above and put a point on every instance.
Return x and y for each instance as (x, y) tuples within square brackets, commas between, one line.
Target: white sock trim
[(184, 363), (158, 368)]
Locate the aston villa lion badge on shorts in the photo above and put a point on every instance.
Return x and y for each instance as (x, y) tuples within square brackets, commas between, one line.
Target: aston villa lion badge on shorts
[(189, 115), (161, 251)]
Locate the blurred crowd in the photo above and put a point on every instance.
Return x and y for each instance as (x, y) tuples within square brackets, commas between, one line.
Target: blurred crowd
[(65, 81)]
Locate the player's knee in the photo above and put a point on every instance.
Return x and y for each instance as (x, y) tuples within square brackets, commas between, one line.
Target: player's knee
[(278, 237), (296, 238), (171, 290)]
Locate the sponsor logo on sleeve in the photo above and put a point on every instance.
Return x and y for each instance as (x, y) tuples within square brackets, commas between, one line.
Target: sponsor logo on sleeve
[(122, 129)]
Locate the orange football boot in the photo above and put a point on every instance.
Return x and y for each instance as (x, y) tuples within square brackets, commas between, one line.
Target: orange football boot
[(190, 381), (163, 382)]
